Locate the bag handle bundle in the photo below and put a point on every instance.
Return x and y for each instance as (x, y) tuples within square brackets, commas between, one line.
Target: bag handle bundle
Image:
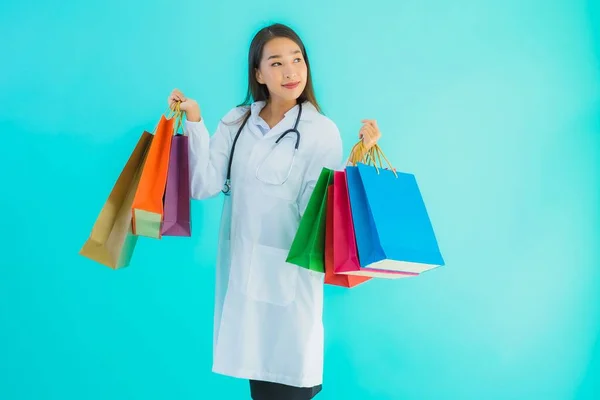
[(373, 157)]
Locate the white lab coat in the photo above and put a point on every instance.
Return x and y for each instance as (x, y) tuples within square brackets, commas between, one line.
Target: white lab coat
[(268, 313)]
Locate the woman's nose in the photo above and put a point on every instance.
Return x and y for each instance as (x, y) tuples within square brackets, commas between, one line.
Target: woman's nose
[(289, 73)]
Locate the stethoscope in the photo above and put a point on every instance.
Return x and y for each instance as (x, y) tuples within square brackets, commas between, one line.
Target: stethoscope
[(227, 186)]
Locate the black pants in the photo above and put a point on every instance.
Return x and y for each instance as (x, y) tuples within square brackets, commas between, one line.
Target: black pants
[(260, 390)]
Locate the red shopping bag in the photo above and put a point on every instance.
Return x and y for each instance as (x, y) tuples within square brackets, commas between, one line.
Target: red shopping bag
[(345, 252), (331, 278)]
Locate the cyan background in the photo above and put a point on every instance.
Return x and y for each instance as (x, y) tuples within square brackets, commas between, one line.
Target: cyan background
[(493, 105)]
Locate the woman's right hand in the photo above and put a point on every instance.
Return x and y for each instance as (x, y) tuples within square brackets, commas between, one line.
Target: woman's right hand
[(189, 106)]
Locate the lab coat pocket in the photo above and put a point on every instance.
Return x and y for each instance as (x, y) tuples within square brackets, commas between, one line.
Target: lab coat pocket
[(271, 279)]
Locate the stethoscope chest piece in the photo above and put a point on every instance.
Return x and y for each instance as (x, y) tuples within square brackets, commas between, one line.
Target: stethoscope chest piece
[(227, 188)]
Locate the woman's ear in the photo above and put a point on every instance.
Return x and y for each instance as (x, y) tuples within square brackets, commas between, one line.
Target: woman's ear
[(258, 76)]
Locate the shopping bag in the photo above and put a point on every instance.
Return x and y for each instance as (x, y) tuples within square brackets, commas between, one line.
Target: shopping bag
[(331, 278), (345, 253), (392, 226), (308, 246), (148, 201), (177, 202), (111, 241)]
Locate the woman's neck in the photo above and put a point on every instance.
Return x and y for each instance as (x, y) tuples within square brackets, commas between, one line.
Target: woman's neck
[(274, 111)]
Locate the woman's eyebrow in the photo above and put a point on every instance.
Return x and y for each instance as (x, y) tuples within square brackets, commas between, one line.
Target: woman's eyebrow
[(278, 56)]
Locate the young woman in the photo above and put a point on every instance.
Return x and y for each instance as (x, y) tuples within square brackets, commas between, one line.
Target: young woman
[(266, 156)]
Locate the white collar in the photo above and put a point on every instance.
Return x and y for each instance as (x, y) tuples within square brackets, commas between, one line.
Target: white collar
[(308, 110)]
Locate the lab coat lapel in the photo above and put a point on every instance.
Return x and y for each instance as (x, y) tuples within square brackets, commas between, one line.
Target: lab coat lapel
[(286, 123), (290, 119)]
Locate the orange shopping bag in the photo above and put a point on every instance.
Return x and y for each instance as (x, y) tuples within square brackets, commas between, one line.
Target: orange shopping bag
[(147, 208)]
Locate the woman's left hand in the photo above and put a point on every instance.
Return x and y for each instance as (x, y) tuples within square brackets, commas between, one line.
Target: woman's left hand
[(369, 133)]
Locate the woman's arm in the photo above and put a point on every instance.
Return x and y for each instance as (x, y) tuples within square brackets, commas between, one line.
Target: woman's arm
[(208, 158)]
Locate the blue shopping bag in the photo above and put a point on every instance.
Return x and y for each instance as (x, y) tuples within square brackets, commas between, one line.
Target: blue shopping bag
[(391, 223)]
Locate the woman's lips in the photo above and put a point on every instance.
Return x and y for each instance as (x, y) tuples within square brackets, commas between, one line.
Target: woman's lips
[(292, 85)]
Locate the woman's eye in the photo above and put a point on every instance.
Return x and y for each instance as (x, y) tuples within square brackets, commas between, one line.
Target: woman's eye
[(277, 63)]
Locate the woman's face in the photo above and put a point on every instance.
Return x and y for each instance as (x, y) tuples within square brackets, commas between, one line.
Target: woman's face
[(283, 69)]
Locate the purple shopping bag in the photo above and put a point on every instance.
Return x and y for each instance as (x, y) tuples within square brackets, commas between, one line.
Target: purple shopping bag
[(177, 200)]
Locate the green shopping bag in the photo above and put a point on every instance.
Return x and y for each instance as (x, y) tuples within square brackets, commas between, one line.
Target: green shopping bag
[(308, 247)]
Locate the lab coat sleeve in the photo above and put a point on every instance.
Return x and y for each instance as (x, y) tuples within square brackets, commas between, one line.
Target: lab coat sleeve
[(329, 156), (208, 158)]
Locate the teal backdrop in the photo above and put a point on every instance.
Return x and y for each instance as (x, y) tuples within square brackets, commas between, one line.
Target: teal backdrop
[(493, 105)]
